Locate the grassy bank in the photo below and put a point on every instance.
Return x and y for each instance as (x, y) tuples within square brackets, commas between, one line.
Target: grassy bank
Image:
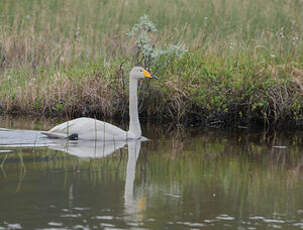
[(243, 65)]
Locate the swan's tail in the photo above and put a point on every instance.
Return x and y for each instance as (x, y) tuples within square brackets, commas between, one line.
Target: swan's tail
[(54, 135)]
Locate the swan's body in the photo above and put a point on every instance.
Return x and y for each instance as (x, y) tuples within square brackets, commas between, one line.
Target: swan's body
[(88, 129), (92, 129)]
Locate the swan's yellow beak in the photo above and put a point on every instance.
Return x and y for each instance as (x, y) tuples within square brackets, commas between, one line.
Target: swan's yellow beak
[(148, 75)]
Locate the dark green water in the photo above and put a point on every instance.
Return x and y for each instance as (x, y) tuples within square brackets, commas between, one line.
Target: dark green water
[(194, 179)]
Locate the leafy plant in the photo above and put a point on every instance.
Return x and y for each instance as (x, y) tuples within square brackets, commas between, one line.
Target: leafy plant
[(146, 48)]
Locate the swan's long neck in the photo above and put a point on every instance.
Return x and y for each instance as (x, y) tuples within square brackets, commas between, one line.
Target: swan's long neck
[(134, 123)]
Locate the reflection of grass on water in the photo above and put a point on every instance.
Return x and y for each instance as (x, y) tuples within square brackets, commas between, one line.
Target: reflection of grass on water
[(241, 169), (211, 168), (44, 160)]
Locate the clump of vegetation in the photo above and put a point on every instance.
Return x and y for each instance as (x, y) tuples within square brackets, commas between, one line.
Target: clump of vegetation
[(242, 64), (147, 53)]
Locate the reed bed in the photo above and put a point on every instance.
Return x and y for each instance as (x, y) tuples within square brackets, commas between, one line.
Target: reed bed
[(243, 65)]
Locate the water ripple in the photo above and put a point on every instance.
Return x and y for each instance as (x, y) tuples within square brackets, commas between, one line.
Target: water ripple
[(104, 217), (55, 224), (225, 217)]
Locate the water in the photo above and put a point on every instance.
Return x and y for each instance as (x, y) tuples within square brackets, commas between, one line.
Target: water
[(194, 179)]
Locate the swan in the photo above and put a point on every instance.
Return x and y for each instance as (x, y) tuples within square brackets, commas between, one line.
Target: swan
[(91, 129)]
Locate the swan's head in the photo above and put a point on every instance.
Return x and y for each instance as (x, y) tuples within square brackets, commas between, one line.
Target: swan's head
[(141, 73)]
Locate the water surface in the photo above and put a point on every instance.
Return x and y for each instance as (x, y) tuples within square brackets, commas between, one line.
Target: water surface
[(181, 179)]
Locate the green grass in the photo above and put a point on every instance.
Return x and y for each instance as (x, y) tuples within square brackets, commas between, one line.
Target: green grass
[(244, 62)]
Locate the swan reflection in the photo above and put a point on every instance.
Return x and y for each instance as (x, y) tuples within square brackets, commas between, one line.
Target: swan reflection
[(88, 149), (82, 149), (94, 149)]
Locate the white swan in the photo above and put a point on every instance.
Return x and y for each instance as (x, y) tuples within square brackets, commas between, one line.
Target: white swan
[(92, 129)]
